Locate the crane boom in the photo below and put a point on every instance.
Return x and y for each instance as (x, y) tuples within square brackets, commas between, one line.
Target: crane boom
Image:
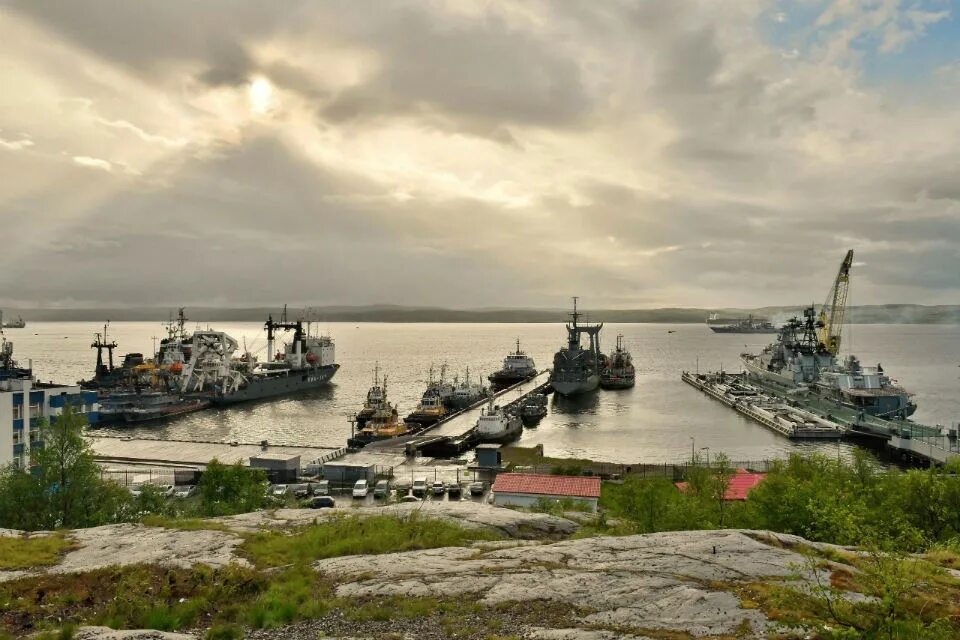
[(831, 314)]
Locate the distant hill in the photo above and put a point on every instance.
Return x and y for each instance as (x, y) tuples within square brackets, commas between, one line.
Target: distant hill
[(868, 314)]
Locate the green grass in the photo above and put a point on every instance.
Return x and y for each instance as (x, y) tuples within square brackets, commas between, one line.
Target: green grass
[(26, 553), (184, 524), (351, 535)]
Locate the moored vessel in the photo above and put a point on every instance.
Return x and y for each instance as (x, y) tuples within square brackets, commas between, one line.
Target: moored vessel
[(376, 396), (466, 393), (496, 424), (383, 424), (158, 405), (577, 370), (532, 409), (430, 410), (618, 372), (306, 362), (517, 367)]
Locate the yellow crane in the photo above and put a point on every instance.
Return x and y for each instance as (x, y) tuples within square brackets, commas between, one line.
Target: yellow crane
[(831, 314)]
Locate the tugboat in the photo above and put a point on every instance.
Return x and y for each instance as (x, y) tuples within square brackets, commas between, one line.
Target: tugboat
[(376, 396), (577, 370), (306, 362), (383, 424), (517, 367), (466, 393), (532, 409), (618, 372), (431, 409), (497, 425)]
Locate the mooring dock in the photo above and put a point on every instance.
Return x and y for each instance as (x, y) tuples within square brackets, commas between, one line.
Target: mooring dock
[(771, 411), (453, 434), (803, 415)]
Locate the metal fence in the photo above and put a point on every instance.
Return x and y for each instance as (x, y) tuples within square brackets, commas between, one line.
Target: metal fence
[(673, 471), (151, 475)]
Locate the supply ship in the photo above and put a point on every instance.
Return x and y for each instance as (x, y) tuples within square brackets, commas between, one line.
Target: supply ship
[(577, 370), (306, 362), (619, 372), (804, 359), (467, 393), (517, 367), (740, 325)]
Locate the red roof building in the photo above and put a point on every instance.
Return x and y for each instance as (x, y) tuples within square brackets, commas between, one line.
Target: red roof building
[(525, 489), (741, 484)]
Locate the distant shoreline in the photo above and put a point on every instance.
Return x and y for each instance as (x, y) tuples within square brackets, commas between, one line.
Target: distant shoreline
[(867, 314)]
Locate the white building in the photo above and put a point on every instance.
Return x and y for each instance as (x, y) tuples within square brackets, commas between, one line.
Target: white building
[(24, 401)]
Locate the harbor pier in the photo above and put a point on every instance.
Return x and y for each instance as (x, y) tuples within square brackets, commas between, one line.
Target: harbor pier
[(799, 414)]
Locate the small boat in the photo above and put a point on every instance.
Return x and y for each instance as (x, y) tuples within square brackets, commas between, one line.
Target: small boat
[(619, 372), (158, 405), (496, 424), (533, 409), (517, 367)]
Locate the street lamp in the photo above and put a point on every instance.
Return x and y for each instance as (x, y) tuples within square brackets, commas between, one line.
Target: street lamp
[(707, 449), (693, 449)]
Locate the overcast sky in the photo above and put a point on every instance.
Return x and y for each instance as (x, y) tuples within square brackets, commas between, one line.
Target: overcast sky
[(455, 153)]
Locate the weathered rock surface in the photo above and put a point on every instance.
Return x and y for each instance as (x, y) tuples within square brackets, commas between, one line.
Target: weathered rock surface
[(658, 581), (514, 524), (126, 544)]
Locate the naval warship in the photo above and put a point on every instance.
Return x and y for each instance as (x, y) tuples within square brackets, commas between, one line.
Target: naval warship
[(306, 362), (575, 369), (804, 358), (740, 325)]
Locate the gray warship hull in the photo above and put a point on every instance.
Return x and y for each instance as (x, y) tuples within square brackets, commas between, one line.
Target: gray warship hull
[(572, 387), (278, 384)]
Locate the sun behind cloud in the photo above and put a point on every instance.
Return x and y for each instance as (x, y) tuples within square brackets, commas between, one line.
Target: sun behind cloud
[(260, 94)]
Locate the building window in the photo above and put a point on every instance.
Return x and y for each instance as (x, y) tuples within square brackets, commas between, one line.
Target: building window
[(16, 436), (18, 412), (35, 410)]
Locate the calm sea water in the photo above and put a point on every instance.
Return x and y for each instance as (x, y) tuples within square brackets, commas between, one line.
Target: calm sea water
[(657, 421)]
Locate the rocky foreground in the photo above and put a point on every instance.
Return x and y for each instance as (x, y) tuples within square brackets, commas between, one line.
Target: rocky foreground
[(653, 585)]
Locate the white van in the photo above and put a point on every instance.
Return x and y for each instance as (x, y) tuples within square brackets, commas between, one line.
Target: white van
[(419, 487), (361, 489)]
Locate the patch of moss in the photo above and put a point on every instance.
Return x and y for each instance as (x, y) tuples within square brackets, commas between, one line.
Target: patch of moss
[(23, 552)]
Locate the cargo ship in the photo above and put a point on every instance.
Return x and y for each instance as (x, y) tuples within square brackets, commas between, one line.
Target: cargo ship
[(306, 362), (577, 370)]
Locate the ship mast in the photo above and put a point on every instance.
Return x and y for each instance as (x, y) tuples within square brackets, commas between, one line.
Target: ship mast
[(100, 344)]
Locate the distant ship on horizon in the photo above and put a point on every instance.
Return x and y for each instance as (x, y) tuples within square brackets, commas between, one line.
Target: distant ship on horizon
[(740, 325)]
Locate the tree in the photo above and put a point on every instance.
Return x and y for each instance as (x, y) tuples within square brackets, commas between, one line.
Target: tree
[(228, 489), (64, 490), (720, 483)]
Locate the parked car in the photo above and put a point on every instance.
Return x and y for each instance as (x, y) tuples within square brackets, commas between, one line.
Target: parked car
[(278, 490), (410, 498), (478, 488), (166, 490), (321, 488), (419, 487), (322, 502), (438, 488), (303, 491), (135, 490), (382, 490), (361, 489), (185, 491), (454, 490)]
